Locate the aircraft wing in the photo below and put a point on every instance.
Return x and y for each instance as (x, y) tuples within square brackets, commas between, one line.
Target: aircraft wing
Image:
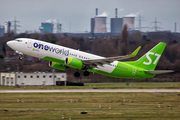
[(108, 60), (159, 71)]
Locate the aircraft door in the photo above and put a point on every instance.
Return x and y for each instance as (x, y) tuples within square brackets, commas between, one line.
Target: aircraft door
[(134, 71), (29, 44)]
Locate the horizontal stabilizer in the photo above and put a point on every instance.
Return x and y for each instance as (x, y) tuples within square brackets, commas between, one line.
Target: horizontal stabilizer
[(159, 71)]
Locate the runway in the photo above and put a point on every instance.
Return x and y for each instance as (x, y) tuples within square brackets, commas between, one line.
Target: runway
[(91, 90), (85, 108)]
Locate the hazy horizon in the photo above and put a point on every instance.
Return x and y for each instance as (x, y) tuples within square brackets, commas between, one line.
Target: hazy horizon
[(75, 15)]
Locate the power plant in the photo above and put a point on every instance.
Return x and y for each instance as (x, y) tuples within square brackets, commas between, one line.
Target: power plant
[(98, 23)]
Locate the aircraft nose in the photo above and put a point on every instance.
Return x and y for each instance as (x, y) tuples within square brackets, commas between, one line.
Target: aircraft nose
[(10, 43)]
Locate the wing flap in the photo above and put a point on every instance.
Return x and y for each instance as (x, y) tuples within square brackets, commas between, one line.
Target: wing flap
[(159, 71)]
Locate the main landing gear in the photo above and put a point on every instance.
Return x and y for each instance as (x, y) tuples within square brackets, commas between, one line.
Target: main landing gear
[(86, 73), (77, 74)]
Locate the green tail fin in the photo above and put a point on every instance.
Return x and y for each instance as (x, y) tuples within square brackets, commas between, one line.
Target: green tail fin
[(151, 58)]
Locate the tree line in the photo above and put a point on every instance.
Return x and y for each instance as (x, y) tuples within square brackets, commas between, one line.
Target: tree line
[(121, 44)]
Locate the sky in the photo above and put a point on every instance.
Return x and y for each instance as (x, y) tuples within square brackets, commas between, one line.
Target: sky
[(74, 15)]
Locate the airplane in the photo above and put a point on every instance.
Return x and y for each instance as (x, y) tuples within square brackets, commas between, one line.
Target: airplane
[(61, 58)]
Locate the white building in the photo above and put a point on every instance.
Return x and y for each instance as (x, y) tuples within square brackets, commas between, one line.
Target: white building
[(12, 79), (7, 79)]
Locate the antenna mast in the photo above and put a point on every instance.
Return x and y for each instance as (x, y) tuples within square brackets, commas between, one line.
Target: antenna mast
[(155, 25), (15, 24)]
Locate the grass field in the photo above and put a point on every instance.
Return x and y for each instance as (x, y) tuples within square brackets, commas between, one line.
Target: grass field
[(168, 85), (130, 105), (92, 115)]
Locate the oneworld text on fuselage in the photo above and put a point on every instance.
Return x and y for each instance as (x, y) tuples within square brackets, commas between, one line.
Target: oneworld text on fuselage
[(51, 49)]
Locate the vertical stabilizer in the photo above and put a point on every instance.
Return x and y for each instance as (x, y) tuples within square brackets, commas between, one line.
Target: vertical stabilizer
[(151, 58)]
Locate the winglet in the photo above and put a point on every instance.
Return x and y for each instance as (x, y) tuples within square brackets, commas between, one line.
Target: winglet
[(135, 52)]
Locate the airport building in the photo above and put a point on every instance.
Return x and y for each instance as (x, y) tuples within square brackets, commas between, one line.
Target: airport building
[(39, 78)]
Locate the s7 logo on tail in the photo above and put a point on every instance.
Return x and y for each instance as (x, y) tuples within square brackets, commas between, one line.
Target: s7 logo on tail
[(150, 60)]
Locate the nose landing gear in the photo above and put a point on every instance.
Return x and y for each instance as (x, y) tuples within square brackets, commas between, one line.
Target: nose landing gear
[(20, 57)]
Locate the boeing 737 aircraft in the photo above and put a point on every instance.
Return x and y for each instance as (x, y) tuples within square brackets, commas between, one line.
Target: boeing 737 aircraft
[(62, 57)]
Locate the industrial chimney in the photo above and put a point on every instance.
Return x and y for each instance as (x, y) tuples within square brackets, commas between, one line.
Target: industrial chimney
[(96, 11), (175, 27), (116, 12)]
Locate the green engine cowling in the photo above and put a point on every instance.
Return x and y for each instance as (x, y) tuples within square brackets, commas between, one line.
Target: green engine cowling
[(74, 63), (57, 65)]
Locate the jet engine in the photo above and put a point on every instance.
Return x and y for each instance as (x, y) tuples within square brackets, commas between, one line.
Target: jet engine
[(57, 65), (74, 63)]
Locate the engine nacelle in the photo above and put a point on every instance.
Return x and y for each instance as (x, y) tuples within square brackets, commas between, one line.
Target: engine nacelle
[(74, 63), (57, 65)]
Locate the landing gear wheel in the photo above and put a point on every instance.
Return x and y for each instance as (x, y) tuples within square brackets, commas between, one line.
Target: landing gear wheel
[(76, 74), (86, 73), (20, 57)]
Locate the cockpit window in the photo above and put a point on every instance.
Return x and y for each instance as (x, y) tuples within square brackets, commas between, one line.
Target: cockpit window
[(19, 40)]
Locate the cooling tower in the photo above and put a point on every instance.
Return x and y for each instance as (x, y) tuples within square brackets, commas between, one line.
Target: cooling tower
[(129, 21), (92, 25), (116, 25), (100, 25)]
